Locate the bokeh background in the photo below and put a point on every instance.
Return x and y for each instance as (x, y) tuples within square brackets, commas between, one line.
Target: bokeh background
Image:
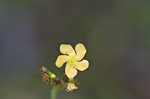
[(116, 34)]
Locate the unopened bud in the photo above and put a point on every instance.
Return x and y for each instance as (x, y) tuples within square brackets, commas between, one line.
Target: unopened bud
[(46, 78), (76, 83), (43, 69), (53, 76)]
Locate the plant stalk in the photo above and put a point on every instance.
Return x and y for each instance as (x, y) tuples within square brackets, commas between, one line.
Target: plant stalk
[(54, 91)]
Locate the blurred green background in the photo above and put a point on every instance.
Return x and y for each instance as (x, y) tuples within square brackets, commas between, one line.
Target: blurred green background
[(115, 33)]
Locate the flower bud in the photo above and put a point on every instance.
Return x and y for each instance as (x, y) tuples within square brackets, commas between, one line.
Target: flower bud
[(43, 69), (76, 82), (53, 76), (45, 78)]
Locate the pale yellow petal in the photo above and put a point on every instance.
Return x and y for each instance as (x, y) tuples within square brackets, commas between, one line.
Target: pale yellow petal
[(61, 59), (70, 71), (83, 65), (67, 49), (71, 87), (80, 51)]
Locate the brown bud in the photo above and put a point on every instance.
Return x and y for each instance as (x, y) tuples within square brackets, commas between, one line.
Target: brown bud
[(76, 83), (43, 69)]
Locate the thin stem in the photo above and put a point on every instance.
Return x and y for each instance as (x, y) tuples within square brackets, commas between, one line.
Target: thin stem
[(54, 92)]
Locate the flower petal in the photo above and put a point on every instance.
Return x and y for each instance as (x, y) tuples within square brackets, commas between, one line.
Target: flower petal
[(80, 50), (70, 71), (71, 87), (61, 59), (83, 65), (67, 49)]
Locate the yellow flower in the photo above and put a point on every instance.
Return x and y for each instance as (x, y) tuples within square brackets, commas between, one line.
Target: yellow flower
[(71, 87), (72, 58)]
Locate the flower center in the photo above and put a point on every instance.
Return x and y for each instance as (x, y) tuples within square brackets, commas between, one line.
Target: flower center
[(72, 59)]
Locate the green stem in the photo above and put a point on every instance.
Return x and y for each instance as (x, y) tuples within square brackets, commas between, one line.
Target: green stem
[(54, 92)]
